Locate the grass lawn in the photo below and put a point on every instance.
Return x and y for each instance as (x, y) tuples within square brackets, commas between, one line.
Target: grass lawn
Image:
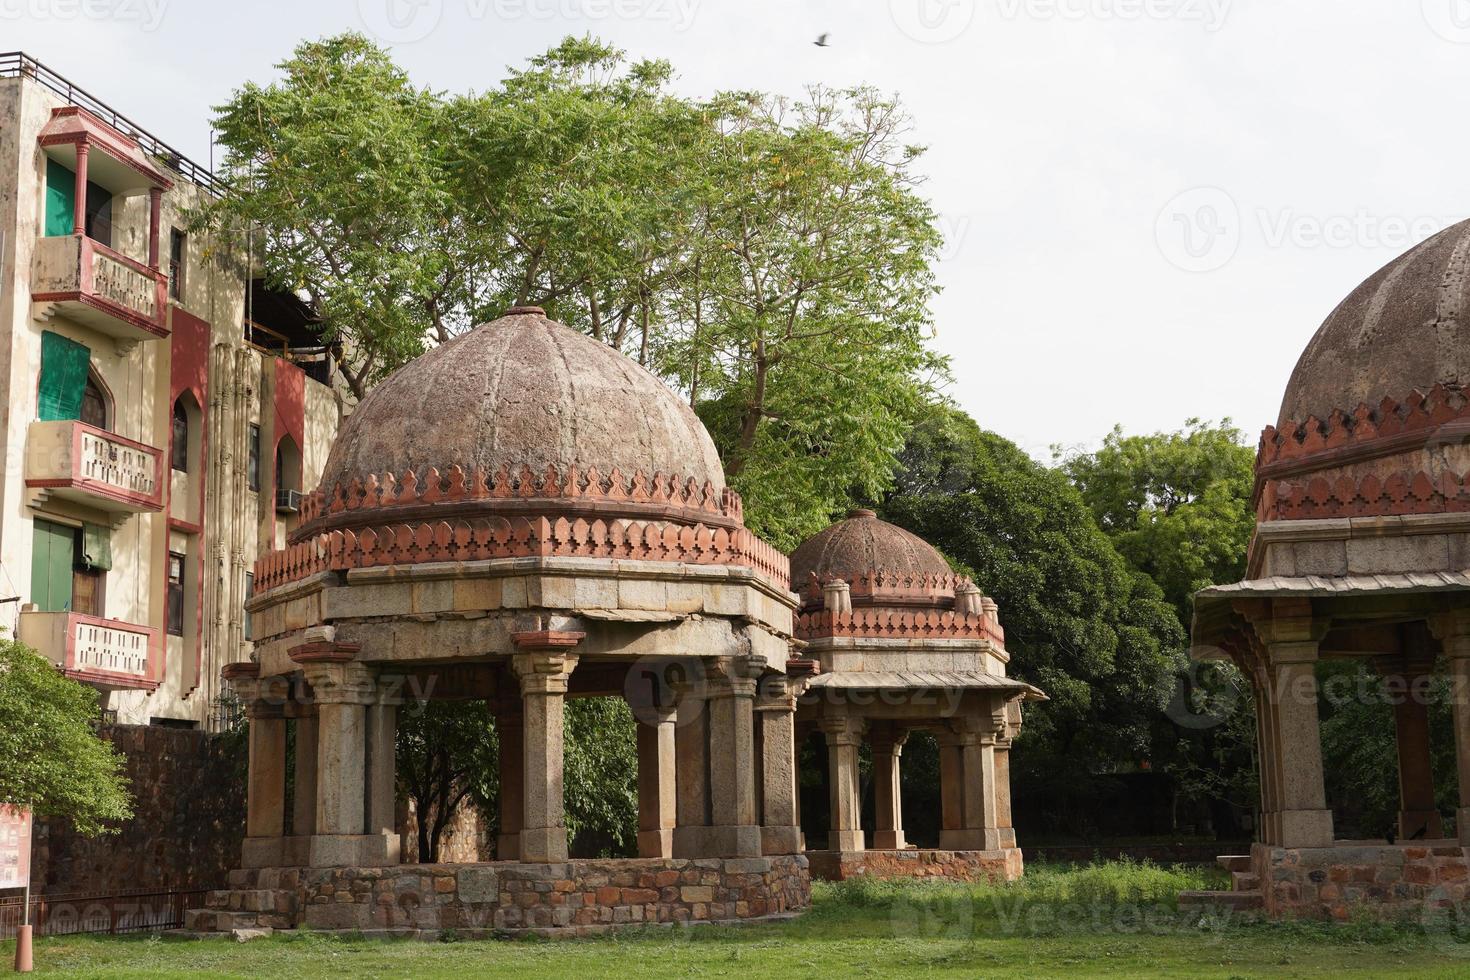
[(1111, 919)]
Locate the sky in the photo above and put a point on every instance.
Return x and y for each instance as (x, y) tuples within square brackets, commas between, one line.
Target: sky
[(1149, 205)]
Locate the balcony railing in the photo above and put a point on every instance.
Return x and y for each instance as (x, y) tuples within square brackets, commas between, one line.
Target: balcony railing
[(82, 463), (88, 282), (104, 652)]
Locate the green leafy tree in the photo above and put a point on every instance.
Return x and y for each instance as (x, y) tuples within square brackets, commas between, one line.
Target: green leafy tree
[(1080, 622), (1176, 504), (51, 760), (447, 758), (601, 777), (769, 258)]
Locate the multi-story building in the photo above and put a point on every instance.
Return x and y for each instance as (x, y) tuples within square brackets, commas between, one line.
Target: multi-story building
[(163, 410)]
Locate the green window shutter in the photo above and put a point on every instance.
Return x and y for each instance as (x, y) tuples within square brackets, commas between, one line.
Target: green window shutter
[(52, 559), (61, 196), (97, 547), (64, 366)]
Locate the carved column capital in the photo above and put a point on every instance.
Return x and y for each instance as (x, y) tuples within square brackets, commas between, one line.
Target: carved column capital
[(843, 729), (341, 683), (543, 672)]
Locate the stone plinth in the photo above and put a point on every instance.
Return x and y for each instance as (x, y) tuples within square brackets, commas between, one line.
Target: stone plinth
[(997, 865), (1390, 880), (573, 898)]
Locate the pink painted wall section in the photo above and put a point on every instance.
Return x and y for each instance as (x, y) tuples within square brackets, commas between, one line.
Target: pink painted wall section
[(290, 403), (189, 371)]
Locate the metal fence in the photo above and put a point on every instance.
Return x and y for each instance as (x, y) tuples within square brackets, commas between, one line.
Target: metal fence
[(19, 64), (122, 912)]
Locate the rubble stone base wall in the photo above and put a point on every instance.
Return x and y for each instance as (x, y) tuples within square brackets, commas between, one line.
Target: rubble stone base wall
[(575, 898), (1407, 879), (1001, 865)]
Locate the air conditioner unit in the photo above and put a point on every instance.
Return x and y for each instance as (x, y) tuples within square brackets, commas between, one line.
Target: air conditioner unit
[(288, 501)]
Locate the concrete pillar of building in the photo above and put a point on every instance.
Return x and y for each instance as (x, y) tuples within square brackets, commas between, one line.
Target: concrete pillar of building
[(303, 809), (1303, 819), (1453, 631), (844, 734), (509, 727), (79, 200), (657, 784), (887, 746), (734, 828), (775, 709), (691, 771), (155, 206), (543, 668)]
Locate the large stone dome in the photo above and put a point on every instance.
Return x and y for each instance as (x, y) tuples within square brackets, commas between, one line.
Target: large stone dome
[(1406, 328), (863, 545), (523, 391)]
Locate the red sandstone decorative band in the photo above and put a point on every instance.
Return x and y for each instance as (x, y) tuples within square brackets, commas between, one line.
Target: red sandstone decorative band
[(898, 624), (454, 485), (1441, 415), (497, 537), (885, 584), (1370, 496)]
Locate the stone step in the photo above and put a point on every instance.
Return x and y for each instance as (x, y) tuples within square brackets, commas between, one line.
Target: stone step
[(1234, 862), (214, 920), (1245, 881), (1239, 901)]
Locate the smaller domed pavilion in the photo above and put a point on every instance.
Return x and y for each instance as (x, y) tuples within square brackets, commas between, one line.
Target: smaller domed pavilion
[(1361, 553), (903, 644)]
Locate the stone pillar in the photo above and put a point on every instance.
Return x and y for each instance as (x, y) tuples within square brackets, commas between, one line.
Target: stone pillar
[(734, 830), (844, 734), (303, 810), (976, 735), (509, 727), (265, 807), (1407, 680), (951, 791), (1453, 631), (775, 709), (543, 667), (382, 776), (657, 785), (887, 746), (79, 202), (342, 691), (1304, 819), (691, 772)]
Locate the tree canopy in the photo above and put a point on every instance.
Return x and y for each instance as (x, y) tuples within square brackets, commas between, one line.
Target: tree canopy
[(1176, 504), (51, 761), (1080, 622), (767, 257)]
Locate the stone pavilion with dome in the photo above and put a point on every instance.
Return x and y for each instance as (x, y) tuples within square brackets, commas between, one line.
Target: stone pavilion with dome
[(1361, 552), (522, 516)]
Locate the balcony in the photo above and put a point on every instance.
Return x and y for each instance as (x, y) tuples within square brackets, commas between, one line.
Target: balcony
[(97, 651), (74, 461), (89, 283)]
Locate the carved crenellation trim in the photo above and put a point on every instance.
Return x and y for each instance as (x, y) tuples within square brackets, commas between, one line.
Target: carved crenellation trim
[(880, 584), (454, 485), (1366, 431), (1392, 495), (899, 624), (497, 537)]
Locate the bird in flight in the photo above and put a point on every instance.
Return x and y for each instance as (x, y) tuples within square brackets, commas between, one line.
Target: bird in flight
[(821, 41)]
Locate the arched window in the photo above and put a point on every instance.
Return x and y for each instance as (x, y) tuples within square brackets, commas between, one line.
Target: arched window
[(94, 404), (179, 445)]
